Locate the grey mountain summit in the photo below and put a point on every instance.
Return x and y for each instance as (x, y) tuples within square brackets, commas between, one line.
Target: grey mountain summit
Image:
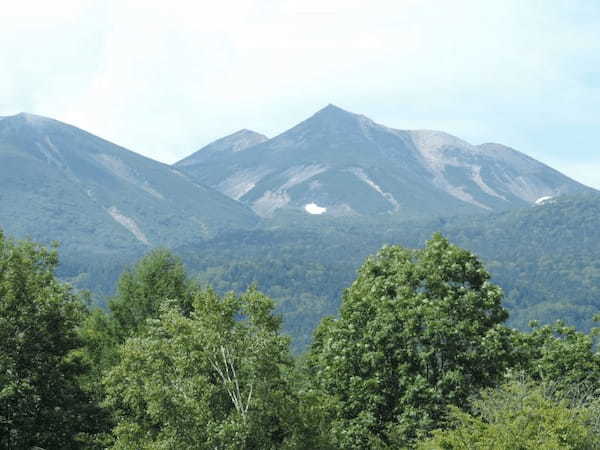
[(339, 163)]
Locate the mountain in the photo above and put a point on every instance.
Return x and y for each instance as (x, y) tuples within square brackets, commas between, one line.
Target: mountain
[(58, 182), (229, 145), (342, 164)]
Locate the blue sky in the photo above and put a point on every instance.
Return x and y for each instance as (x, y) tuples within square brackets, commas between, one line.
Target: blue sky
[(165, 78)]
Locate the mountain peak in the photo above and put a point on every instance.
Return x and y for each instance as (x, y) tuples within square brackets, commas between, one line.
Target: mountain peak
[(332, 110), (335, 119), (245, 132), (332, 107), (233, 143), (31, 119)]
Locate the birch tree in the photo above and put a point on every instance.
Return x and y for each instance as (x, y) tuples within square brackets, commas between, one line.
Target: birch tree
[(215, 378)]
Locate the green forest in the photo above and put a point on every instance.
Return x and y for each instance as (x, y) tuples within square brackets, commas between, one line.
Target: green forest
[(418, 351), (544, 258)]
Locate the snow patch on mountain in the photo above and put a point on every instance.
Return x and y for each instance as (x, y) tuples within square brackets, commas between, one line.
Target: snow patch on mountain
[(313, 208), (129, 223), (528, 189)]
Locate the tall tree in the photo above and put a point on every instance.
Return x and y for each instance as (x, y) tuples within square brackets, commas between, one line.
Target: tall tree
[(156, 278), (418, 330), (41, 402), (215, 378)]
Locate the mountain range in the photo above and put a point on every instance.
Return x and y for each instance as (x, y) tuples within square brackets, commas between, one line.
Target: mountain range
[(300, 211), (344, 164)]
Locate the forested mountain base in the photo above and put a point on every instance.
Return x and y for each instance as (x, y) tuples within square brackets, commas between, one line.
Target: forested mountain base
[(543, 257), (419, 357)]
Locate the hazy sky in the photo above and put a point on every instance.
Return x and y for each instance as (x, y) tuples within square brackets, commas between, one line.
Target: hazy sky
[(165, 78)]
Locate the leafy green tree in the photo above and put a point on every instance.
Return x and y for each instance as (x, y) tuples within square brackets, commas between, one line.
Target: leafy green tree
[(214, 378), (157, 277), (522, 415), (418, 330), (41, 401), (560, 354)]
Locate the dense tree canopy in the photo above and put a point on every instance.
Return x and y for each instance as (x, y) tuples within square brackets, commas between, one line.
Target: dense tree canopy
[(418, 357), (41, 402), (523, 415), (213, 379), (560, 354), (418, 330), (155, 279)]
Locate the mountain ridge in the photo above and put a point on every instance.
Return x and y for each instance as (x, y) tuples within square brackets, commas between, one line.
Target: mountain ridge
[(235, 142), (347, 164), (77, 183)]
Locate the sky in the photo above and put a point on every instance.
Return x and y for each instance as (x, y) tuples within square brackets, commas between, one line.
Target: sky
[(166, 78)]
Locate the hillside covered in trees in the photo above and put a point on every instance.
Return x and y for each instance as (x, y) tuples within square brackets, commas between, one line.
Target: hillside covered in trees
[(420, 356), (544, 258)]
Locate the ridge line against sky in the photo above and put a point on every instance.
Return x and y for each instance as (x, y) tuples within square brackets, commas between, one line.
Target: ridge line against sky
[(166, 79)]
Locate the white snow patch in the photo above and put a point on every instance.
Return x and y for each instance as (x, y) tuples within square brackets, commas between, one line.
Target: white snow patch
[(128, 223), (542, 200), (266, 205), (313, 208)]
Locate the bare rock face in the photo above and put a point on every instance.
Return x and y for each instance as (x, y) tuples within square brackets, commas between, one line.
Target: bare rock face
[(346, 164)]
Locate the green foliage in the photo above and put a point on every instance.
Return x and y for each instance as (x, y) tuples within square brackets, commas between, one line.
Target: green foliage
[(41, 402), (560, 354), (418, 331), (215, 378), (544, 258), (521, 416), (156, 278)]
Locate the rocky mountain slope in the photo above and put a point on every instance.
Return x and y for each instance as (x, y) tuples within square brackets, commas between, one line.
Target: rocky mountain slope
[(340, 164), (58, 182)]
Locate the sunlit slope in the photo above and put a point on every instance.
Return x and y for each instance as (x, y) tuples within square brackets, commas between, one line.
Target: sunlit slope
[(342, 164)]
